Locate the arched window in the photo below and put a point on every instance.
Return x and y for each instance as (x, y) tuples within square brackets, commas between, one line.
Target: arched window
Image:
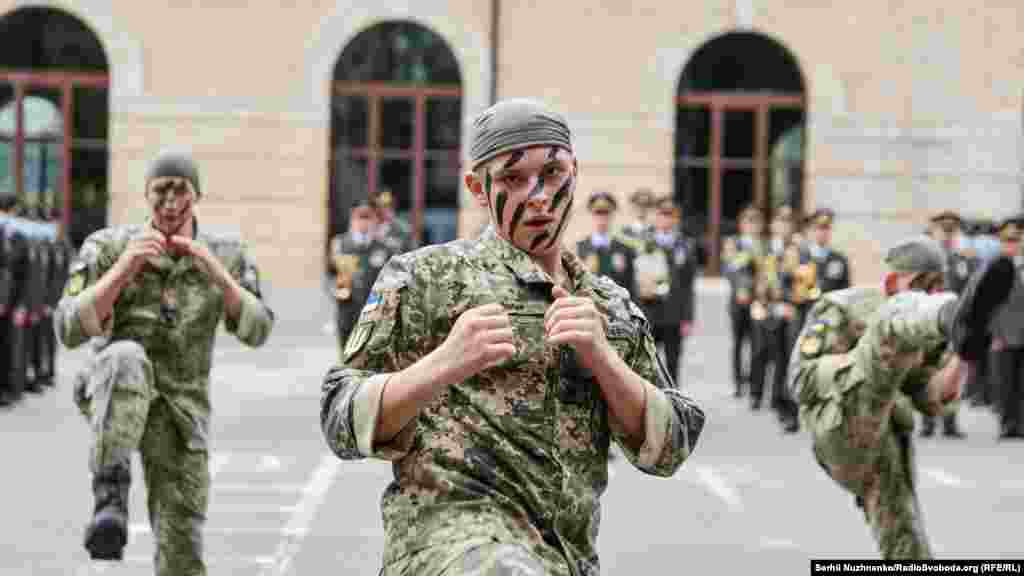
[(53, 119), (396, 124), (739, 134)]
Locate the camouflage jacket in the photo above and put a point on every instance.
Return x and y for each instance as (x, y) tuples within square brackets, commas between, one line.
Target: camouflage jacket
[(180, 347), (834, 329), (517, 453)]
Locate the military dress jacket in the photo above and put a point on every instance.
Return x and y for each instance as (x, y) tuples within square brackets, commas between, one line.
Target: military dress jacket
[(678, 305), (364, 261), (833, 268), (614, 261), (172, 309), (517, 453), (740, 255)]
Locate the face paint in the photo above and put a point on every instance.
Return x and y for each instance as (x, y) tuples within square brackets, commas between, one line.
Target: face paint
[(538, 241), (516, 217), (499, 207), (487, 187), (561, 225), (562, 193)]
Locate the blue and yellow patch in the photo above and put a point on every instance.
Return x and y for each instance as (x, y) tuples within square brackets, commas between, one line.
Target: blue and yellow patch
[(75, 285)]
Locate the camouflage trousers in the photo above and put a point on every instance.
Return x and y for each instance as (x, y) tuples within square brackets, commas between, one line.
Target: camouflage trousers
[(116, 393), (481, 559)]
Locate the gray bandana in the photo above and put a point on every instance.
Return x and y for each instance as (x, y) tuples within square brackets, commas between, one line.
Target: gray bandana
[(919, 254), (513, 124), (174, 164)]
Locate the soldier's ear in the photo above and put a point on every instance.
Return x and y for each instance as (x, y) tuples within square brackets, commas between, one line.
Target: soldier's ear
[(476, 188)]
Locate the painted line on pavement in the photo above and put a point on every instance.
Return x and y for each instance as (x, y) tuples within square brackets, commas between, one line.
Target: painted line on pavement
[(719, 486), (298, 525), (943, 477)]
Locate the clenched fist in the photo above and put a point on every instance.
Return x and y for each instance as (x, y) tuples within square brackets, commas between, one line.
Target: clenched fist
[(482, 337), (140, 250), (576, 321)]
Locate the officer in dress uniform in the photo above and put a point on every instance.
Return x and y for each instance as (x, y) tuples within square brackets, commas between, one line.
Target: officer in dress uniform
[(393, 231), (602, 253), (739, 257), (946, 228), (831, 265), (639, 230), (771, 314), (1008, 338), (671, 309), (355, 259)]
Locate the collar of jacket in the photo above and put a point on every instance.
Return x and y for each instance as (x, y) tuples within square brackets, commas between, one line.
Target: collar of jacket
[(523, 267)]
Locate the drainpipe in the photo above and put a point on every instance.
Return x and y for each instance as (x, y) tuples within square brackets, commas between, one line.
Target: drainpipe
[(495, 40)]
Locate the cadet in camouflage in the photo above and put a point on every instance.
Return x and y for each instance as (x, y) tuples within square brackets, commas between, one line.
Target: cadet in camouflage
[(866, 357), (495, 373), (150, 297)]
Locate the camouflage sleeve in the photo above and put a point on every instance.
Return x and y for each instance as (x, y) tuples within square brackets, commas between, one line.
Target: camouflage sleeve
[(256, 319), (905, 328), (75, 318), (916, 385), (351, 391), (672, 421), (824, 332)]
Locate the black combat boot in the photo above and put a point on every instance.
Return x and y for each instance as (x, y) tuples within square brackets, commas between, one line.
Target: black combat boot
[(107, 533), (928, 427), (950, 427), (965, 321)]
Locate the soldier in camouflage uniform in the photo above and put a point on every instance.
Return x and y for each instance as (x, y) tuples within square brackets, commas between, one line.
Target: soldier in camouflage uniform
[(356, 258), (739, 258), (946, 228), (495, 373), (150, 297), (867, 357)]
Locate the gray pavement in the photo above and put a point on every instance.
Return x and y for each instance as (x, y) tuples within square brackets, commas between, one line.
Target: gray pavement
[(750, 500)]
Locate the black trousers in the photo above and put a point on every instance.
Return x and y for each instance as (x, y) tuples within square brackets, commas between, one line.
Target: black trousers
[(668, 336), (773, 341), (741, 332), (1010, 375)]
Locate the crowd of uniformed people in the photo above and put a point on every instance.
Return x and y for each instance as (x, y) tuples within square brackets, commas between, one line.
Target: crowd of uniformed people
[(777, 266), (34, 259)]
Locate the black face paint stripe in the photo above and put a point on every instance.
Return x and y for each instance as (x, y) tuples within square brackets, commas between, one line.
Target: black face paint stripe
[(558, 230), (516, 156), (487, 187), (552, 153), (538, 240), (516, 217), (562, 193), (499, 207)]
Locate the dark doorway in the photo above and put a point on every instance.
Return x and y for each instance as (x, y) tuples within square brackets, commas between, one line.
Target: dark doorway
[(739, 135), (54, 115), (396, 123)]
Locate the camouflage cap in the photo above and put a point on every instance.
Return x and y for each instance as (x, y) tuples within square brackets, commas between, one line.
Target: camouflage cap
[(919, 254)]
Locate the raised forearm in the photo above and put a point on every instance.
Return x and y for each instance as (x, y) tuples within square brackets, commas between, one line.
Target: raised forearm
[(406, 392), (624, 390)]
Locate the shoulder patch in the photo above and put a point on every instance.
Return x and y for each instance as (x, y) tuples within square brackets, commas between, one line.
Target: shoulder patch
[(75, 284), (810, 345)]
